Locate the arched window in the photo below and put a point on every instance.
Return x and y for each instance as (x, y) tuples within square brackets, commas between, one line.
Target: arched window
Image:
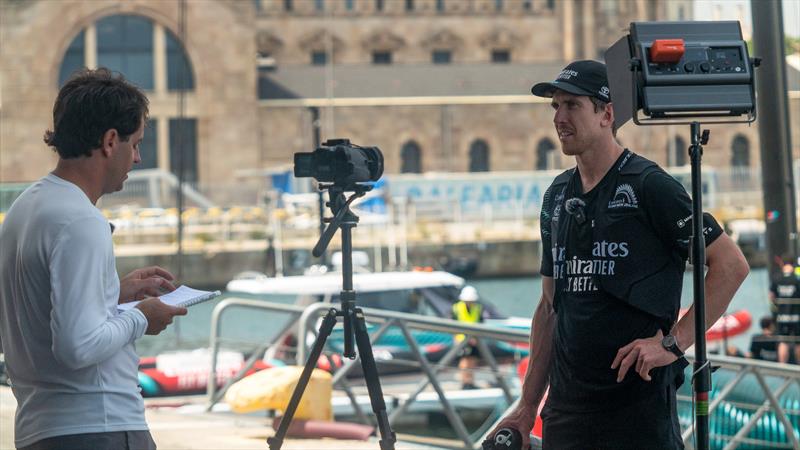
[(411, 158), (133, 45), (546, 155), (740, 160), (740, 151), (677, 151), (479, 156)]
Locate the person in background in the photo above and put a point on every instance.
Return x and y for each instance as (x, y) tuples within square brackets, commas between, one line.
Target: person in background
[(69, 353), (468, 309), (765, 346), (785, 303)]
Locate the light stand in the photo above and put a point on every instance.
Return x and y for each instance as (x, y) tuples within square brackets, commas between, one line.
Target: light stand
[(702, 368), (352, 317), (674, 71)]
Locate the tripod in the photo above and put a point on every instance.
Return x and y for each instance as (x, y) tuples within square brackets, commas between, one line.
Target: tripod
[(353, 319)]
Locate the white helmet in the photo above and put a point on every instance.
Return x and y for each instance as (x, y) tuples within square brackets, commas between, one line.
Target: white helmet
[(468, 294)]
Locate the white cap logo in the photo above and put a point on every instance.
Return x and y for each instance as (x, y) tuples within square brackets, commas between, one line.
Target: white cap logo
[(566, 74)]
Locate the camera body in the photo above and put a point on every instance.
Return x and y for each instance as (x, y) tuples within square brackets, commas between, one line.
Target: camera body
[(341, 163)]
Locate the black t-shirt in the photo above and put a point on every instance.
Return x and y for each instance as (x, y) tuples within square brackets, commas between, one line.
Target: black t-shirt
[(591, 326), (764, 347)]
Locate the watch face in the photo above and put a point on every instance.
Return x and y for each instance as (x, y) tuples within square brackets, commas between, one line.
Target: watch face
[(668, 341)]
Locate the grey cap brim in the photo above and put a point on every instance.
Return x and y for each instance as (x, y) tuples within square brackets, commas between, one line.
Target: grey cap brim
[(546, 89)]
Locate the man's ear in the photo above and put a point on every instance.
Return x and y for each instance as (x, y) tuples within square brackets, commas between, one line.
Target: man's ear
[(608, 115), (110, 141)]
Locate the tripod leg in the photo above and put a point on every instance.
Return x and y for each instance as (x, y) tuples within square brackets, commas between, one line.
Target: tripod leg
[(373, 382), (325, 329)]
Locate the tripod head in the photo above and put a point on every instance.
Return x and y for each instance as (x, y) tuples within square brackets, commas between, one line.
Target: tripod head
[(342, 215)]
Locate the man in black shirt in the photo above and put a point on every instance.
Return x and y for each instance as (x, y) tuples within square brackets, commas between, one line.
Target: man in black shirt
[(765, 346), (615, 236)]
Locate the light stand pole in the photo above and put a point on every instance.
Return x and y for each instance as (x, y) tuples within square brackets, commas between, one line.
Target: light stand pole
[(702, 369)]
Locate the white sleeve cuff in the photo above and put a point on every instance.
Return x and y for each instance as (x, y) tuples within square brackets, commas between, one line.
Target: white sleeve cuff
[(139, 322)]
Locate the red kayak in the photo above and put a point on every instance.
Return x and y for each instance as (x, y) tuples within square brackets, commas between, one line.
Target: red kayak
[(728, 325), (186, 372)]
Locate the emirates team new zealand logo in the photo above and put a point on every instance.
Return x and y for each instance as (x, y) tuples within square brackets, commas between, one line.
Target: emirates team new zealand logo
[(624, 198)]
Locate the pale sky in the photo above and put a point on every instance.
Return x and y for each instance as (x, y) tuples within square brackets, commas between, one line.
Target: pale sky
[(740, 10)]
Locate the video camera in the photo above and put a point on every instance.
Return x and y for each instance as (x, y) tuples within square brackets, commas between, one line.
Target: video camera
[(339, 162)]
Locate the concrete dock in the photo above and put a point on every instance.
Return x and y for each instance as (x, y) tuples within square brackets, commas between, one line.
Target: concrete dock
[(178, 426)]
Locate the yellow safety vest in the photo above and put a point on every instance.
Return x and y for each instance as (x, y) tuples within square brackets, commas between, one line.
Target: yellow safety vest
[(468, 315)]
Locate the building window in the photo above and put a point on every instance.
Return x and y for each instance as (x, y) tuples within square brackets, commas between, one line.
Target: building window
[(441, 56), (381, 57), (740, 151), (676, 152), (348, 5), (501, 56), (319, 58), (183, 143), (740, 160), (551, 4), (546, 155), (409, 5), (411, 158), (379, 4), (179, 72), (148, 149), (440, 5), (73, 59), (527, 5), (319, 5), (125, 45), (479, 156), (498, 5), (288, 5)]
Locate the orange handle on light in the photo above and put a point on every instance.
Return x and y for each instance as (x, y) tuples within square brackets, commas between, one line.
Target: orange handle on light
[(667, 50)]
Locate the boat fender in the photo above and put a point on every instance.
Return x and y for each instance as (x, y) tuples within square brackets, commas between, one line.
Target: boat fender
[(149, 386), (317, 429)]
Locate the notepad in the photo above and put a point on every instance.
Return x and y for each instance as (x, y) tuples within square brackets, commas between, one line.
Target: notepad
[(183, 296)]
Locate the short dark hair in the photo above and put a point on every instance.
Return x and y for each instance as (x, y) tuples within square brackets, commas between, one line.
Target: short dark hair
[(600, 105), (91, 103), (766, 322)]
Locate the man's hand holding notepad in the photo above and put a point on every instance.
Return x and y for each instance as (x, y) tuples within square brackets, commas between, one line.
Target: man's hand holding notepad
[(184, 296)]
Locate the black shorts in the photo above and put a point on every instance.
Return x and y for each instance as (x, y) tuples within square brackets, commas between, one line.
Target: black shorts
[(650, 423)]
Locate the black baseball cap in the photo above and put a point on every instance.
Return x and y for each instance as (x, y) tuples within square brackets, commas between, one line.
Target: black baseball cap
[(580, 78)]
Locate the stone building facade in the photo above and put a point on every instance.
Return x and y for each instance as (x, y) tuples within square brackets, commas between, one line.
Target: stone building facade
[(438, 85)]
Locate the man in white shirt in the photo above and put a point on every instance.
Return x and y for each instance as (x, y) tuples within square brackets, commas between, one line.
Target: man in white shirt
[(70, 354)]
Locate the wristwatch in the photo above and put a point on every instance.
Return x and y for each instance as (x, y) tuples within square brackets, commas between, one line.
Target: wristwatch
[(670, 343)]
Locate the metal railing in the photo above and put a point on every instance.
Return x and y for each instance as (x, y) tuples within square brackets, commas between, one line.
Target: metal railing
[(781, 377), (306, 324), (774, 380)]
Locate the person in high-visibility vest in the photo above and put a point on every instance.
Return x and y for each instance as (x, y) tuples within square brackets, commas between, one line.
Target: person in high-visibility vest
[(469, 310)]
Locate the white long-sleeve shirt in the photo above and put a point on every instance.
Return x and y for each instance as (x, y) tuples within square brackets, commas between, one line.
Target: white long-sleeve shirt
[(70, 354)]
